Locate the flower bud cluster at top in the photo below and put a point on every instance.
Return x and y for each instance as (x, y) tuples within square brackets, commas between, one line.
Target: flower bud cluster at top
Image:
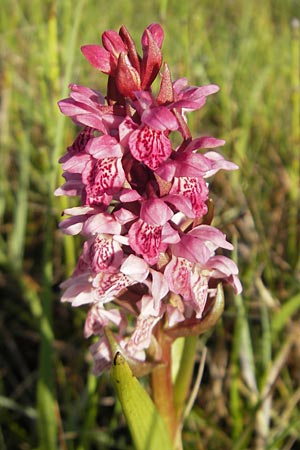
[(149, 254)]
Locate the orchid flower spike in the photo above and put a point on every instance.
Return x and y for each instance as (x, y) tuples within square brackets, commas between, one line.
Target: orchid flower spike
[(150, 254)]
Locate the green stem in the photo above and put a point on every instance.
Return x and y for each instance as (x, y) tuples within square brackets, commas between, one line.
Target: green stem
[(185, 373)]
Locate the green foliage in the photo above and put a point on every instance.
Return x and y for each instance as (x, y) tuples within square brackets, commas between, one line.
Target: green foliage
[(249, 396), (147, 427)]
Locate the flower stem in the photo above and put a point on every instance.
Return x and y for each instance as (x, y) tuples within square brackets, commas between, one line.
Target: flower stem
[(162, 387)]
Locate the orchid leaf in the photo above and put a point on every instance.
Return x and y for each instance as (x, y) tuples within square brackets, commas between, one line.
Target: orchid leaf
[(146, 426)]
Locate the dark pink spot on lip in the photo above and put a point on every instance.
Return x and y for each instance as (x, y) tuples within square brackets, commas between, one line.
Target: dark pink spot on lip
[(178, 273), (101, 253), (111, 282), (79, 144), (145, 240), (101, 177), (150, 146), (195, 189)]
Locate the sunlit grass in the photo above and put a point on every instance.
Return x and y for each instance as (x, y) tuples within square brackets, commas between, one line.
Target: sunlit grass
[(249, 397)]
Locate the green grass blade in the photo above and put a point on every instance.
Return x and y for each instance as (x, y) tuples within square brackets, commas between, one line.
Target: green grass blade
[(17, 236), (284, 314), (91, 412), (45, 386), (294, 235), (8, 403)]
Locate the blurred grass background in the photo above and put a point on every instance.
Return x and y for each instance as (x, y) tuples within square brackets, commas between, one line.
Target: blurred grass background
[(250, 394)]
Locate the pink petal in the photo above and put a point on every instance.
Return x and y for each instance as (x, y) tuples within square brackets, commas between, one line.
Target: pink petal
[(104, 146), (189, 105), (192, 249), (101, 354), (224, 268), (128, 195), (135, 267), (90, 120), (144, 101), (181, 203), (159, 289), (72, 225), (77, 163), (81, 115), (101, 223), (193, 92), (102, 177), (192, 165), (177, 274), (146, 306), (81, 210), (169, 235), (126, 127), (191, 97), (236, 284), (159, 118), (212, 236), (98, 317), (155, 212), (102, 253), (194, 189), (71, 188), (175, 311), (199, 289), (109, 285), (141, 337), (218, 162), (167, 170), (204, 142), (124, 216), (222, 264), (180, 84), (90, 98), (79, 291), (98, 57)]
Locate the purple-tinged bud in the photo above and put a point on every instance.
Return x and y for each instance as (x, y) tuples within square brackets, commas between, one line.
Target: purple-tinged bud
[(157, 33), (151, 62), (132, 53), (127, 78), (166, 94), (113, 43)]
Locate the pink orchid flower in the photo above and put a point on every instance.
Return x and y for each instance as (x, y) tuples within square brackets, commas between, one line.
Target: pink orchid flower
[(150, 235), (149, 257)]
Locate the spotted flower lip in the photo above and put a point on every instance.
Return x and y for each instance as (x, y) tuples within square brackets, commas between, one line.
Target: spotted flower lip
[(150, 257)]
